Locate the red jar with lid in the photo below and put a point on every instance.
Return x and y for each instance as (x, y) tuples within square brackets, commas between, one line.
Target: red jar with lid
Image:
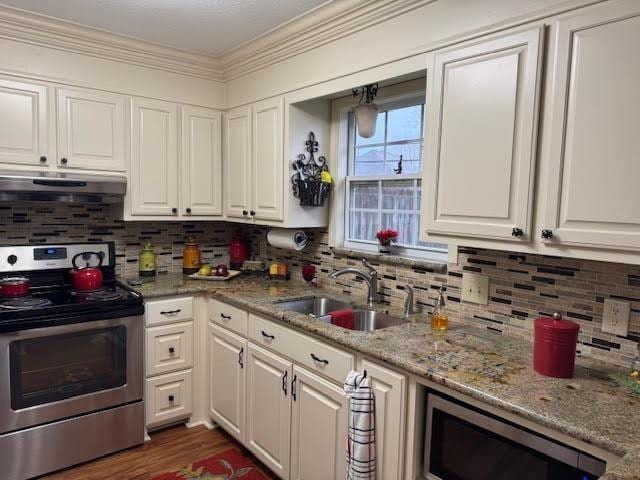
[(554, 350), (238, 251)]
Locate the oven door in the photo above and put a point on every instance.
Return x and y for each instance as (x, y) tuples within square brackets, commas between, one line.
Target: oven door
[(466, 444), (57, 372)]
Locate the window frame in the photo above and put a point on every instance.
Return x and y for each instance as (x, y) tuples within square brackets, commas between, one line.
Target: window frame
[(417, 251)]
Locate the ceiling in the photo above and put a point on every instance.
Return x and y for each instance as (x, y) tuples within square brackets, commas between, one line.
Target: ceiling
[(212, 27)]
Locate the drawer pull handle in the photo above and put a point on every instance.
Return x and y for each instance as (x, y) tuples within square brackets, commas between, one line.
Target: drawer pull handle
[(284, 382), (172, 350), (293, 387), (171, 398), (170, 312), (266, 335), (226, 317), (319, 360), (240, 359)]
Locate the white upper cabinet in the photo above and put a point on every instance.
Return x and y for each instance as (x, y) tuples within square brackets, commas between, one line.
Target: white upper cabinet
[(481, 138), (91, 130), (25, 127), (593, 197), (153, 180), (267, 160), (237, 166), (201, 161)]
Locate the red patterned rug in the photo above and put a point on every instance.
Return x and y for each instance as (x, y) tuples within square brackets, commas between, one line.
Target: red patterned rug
[(228, 465)]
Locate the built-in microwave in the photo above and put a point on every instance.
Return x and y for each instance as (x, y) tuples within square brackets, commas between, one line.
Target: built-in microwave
[(464, 443)]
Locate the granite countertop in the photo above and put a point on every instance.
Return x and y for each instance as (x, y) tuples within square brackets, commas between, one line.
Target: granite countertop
[(491, 368)]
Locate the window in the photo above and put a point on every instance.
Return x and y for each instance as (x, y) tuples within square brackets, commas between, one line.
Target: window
[(381, 191)]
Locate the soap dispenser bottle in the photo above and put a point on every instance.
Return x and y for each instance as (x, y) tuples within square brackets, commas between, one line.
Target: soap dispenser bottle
[(439, 318)]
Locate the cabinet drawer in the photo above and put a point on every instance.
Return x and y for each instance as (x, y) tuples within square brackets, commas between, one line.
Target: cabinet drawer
[(302, 349), (168, 397), (169, 348), (170, 310), (235, 319)]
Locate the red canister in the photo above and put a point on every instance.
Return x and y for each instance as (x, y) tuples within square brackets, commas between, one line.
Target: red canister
[(554, 350), (238, 251)]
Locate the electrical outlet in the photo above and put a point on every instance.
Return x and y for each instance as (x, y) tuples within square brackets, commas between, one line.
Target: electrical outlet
[(475, 288), (615, 318)]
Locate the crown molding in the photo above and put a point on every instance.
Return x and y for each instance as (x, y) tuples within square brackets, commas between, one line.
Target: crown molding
[(328, 22), (324, 24), (36, 29)]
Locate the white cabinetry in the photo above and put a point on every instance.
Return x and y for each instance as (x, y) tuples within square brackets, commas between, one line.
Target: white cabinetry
[(269, 409), (483, 102), (169, 360), (164, 183), (24, 136), (267, 162), (154, 158), (318, 428), (226, 352), (237, 154), (389, 388), (201, 161), (594, 165), (91, 130), (254, 162)]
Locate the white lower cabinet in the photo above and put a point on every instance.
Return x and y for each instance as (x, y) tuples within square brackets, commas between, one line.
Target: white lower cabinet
[(169, 360), (168, 398), (225, 352), (269, 409), (389, 388), (318, 428), (292, 412)]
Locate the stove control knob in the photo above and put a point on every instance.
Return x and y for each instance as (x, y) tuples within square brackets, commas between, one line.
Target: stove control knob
[(12, 259)]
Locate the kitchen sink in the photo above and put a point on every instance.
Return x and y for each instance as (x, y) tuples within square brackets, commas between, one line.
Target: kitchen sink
[(319, 307), (314, 306), (369, 320)]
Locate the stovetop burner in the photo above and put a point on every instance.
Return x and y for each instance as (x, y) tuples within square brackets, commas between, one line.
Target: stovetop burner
[(25, 303), (100, 295)]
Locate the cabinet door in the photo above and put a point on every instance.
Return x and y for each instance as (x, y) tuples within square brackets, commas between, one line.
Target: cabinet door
[(594, 163), (389, 389), (91, 130), (269, 409), (226, 353), (201, 161), (318, 428), (481, 133), (267, 160), (237, 162), (154, 158), (25, 128)]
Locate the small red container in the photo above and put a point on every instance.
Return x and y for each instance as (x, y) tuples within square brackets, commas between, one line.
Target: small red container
[(554, 351), (238, 252)]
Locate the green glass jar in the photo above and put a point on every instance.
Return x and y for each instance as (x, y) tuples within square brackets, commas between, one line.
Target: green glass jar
[(147, 261)]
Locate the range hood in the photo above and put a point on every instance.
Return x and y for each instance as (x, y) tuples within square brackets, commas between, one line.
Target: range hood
[(65, 187)]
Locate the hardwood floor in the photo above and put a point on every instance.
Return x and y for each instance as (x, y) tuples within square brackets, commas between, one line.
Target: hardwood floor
[(168, 450)]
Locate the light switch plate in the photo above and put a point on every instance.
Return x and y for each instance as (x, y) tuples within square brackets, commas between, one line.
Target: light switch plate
[(475, 288), (615, 318)]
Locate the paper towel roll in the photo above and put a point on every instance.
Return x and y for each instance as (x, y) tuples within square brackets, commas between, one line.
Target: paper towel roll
[(287, 238)]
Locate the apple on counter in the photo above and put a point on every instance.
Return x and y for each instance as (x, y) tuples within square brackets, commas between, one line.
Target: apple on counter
[(222, 270), (205, 270)]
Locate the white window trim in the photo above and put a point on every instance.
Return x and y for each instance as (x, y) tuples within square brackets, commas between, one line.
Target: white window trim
[(418, 252)]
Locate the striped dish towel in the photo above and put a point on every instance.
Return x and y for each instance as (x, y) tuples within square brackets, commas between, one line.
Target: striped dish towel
[(361, 439)]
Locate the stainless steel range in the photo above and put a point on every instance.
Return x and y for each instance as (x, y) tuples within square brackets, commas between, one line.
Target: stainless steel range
[(71, 362)]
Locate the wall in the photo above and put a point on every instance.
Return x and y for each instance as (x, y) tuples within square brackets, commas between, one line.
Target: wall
[(522, 288), (53, 223)]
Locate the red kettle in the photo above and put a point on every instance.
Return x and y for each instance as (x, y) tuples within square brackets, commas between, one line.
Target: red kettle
[(86, 278)]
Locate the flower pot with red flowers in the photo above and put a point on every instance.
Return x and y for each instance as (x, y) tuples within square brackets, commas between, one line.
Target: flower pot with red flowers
[(386, 241)]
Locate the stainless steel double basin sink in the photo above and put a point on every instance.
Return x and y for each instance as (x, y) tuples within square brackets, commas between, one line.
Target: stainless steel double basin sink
[(320, 307)]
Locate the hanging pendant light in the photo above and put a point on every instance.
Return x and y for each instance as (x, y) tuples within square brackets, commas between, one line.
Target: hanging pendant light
[(366, 114)]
